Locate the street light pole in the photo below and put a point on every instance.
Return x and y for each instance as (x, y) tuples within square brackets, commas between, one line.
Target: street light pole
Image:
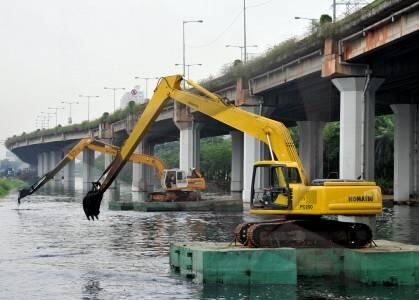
[(334, 11), (188, 67), (183, 49), (40, 121), (47, 115), (244, 31), (69, 106), (146, 83), (312, 20), (184, 45), (88, 104), (243, 58), (56, 114), (114, 92)]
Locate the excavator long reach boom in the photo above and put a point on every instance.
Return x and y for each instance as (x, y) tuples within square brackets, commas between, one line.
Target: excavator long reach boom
[(95, 145), (279, 185), (272, 133)]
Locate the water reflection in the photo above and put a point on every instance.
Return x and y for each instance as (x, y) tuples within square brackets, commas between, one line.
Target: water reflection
[(92, 289), (50, 251), (330, 288)]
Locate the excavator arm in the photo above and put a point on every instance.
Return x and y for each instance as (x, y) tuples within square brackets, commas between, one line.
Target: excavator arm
[(270, 132), (50, 175), (95, 145), (288, 192)]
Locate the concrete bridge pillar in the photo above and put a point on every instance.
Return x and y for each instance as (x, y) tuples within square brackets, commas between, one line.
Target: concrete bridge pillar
[(54, 159), (350, 150), (189, 145), (311, 148), (45, 162), (357, 135), (253, 151), (108, 161), (88, 167), (236, 185), (357, 119), (69, 176), (141, 174), (404, 115), (40, 166)]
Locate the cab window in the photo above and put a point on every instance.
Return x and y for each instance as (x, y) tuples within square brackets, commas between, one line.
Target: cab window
[(293, 176), (179, 175), (277, 178)]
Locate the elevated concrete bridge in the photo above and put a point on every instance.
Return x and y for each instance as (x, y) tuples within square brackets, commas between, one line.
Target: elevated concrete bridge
[(367, 66)]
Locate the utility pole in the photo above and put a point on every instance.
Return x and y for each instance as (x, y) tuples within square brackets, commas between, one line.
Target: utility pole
[(350, 6)]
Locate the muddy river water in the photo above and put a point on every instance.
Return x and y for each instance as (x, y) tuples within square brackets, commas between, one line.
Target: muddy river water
[(48, 250)]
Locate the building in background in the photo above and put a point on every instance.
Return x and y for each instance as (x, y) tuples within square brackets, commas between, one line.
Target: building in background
[(135, 94)]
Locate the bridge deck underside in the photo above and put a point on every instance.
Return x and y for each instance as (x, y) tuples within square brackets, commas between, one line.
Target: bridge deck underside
[(308, 98), (315, 98)]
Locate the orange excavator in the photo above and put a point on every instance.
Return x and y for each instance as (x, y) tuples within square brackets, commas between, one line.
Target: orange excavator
[(176, 185)]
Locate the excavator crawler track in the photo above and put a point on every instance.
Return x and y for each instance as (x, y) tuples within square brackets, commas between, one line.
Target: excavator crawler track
[(320, 233)]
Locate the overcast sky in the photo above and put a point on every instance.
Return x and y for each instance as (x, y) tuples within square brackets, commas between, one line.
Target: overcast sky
[(54, 50)]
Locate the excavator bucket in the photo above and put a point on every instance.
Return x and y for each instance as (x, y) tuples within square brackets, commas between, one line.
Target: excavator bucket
[(22, 194), (91, 202)]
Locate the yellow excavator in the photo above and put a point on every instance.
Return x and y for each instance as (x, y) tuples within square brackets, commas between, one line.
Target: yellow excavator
[(176, 185), (279, 185)]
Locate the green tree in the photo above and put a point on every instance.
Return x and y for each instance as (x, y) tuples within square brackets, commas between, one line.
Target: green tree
[(384, 152), (216, 159), (331, 150), (168, 153)]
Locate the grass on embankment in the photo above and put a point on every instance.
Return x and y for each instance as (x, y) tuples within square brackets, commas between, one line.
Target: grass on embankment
[(6, 185)]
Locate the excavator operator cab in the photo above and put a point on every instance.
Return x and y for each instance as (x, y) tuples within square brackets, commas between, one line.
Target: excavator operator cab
[(174, 179), (271, 185)]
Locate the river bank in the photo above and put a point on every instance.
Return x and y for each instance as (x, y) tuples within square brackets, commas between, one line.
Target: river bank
[(7, 185)]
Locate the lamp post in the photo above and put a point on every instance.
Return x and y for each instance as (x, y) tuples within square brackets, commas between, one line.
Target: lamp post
[(56, 113), (146, 83), (88, 103), (40, 121), (244, 32), (334, 11), (184, 45), (69, 109), (312, 20), (242, 57), (188, 66), (114, 92), (46, 116)]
